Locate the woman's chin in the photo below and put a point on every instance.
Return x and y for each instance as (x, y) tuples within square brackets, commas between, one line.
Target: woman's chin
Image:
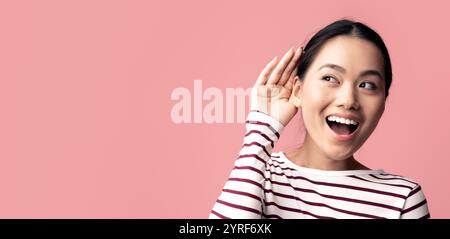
[(339, 153)]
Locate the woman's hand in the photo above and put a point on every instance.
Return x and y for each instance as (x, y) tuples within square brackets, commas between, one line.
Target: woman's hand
[(272, 91)]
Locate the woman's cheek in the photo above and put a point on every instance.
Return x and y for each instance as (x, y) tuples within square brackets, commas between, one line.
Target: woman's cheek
[(375, 109), (319, 93)]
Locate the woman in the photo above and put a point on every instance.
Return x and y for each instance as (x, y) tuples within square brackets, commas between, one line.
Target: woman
[(339, 82)]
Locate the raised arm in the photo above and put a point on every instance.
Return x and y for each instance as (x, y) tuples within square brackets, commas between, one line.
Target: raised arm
[(243, 193)]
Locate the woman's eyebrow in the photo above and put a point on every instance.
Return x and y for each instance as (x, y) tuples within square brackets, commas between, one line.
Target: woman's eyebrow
[(333, 66), (371, 72), (342, 69)]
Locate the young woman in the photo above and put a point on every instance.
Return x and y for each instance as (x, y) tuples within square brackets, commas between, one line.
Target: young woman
[(339, 82)]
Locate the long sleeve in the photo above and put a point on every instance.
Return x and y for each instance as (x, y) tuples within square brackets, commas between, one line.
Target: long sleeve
[(243, 193), (415, 206)]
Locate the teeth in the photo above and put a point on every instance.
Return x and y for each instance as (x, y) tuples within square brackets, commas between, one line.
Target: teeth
[(342, 120)]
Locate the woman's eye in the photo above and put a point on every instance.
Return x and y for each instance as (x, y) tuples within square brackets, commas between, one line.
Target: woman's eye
[(368, 85), (329, 78)]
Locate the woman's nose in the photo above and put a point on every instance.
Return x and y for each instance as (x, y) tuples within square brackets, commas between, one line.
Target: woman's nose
[(347, 98)]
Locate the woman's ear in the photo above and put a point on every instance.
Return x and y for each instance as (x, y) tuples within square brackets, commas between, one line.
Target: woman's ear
[(296, 93)]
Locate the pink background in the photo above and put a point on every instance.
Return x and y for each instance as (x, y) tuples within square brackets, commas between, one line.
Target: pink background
[(85, 99)]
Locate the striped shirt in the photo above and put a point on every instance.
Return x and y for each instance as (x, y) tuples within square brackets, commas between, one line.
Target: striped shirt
[(266, 184)]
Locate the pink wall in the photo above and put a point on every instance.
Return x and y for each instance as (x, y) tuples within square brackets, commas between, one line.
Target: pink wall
[(85, 98)]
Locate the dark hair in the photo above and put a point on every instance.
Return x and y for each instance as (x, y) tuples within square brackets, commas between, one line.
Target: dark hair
[(348, 28)]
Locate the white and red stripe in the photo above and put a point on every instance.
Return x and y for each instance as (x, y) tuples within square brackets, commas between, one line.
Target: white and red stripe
[(265, 184)]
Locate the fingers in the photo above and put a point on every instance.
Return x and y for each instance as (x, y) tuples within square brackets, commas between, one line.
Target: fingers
[(279, 69), (293, 77), (291, 82), (265, 73), (291, 67)]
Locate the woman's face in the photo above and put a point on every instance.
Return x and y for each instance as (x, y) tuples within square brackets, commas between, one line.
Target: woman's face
[(343, 95)]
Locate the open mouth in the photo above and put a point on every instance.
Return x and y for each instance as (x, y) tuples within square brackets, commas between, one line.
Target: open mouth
[(342, 126)]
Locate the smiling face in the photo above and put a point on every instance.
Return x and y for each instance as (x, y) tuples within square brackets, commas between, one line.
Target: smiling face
[(342, 96)]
